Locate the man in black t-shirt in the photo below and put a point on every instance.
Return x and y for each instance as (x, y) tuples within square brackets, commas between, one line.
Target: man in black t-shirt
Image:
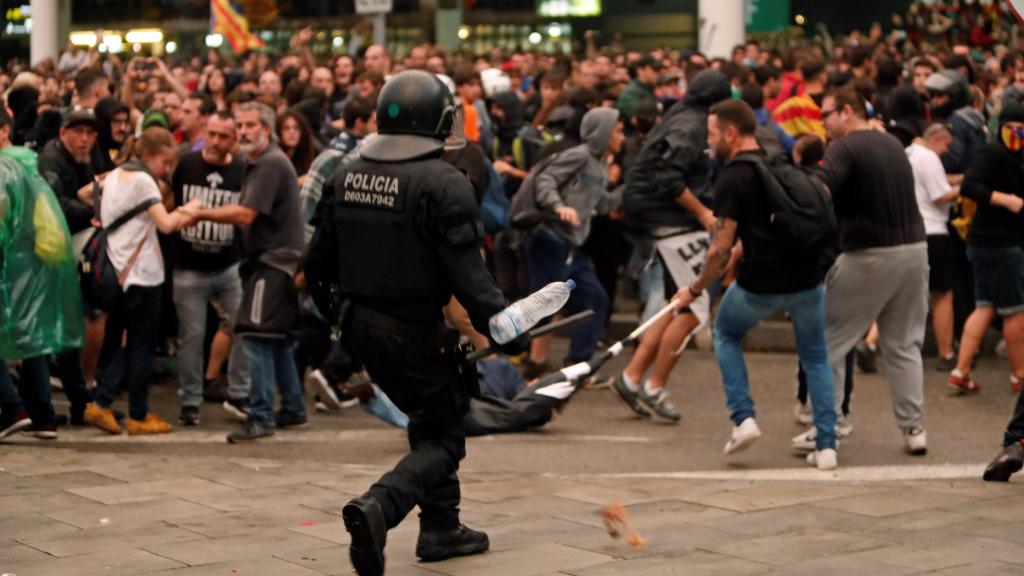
[(771, 278), (883, 269), (206, 268)]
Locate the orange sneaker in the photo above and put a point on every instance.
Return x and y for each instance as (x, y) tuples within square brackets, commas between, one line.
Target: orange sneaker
[(102, 418), (153, 424)]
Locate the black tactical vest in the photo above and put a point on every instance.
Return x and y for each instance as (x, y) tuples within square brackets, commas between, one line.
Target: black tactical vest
[(383, 254)]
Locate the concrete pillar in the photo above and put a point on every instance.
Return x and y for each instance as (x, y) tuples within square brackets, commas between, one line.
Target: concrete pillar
[(447, 22), (721, 26), (379, 28), (45, 40)]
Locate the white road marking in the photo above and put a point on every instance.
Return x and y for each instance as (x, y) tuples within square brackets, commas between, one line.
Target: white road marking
[(848, 474)]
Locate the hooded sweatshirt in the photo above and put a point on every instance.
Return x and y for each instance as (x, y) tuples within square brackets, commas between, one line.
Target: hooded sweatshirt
[(577, 177), (673, 159)]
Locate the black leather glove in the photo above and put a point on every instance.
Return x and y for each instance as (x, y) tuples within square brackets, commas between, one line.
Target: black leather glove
[(517, 346)]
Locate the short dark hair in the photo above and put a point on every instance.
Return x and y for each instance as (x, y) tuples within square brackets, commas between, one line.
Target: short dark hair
[(861, 55), (223, 115), (762, 74), (86, 79), (465, 74), (206, 104), (736, 113), (752, 94), (848, 96), (812, 69), (358, 108)]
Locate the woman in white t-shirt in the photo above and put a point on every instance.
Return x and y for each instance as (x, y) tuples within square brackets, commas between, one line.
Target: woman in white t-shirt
[(134, 250)]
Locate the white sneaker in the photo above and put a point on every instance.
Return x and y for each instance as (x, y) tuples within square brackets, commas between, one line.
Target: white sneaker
[(743, 436), (319, 384), (827, 459), (803, 415), (917, 441), (806, 442)]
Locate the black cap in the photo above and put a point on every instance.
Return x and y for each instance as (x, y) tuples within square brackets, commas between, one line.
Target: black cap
[(1013, 111), (80, 116), (648, 60)]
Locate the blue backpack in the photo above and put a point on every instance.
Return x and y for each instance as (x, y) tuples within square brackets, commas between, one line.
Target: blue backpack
[(495, 206)]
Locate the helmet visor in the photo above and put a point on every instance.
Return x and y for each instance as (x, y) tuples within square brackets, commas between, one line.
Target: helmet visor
[(457, 139)]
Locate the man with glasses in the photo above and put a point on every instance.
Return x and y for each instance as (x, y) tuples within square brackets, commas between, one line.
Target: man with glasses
[(882, 272)]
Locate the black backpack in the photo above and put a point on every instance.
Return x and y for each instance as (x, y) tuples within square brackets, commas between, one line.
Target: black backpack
[(802, 216), (101, 286)]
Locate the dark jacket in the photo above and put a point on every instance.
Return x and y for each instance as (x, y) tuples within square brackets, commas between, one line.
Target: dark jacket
[(995, 168), (673, 159), (65, 176), (968, 127)]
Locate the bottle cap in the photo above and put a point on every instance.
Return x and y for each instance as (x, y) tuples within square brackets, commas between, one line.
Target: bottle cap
[(571, 284)]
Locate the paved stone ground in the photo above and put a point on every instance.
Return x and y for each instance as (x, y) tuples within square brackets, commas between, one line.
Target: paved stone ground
[(79, 513)]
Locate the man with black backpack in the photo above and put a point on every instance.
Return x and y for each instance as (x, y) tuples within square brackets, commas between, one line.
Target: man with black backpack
[(782, 216)]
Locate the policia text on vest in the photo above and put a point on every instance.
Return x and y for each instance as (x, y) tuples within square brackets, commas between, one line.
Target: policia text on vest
[(375, 190)]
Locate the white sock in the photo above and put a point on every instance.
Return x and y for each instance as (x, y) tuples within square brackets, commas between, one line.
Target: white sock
[(956, 372), (633, 386), (649, 390)]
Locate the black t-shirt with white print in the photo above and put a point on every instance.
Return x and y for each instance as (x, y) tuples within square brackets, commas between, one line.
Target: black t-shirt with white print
[(207, 246)]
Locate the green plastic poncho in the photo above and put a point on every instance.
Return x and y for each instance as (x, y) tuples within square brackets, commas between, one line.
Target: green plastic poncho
[(40, 299)]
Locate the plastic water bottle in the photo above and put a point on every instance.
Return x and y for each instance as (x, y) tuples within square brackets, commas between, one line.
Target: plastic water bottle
[(520, 317)]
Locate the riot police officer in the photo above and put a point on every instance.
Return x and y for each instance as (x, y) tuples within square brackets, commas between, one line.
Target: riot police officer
[(406, 231)]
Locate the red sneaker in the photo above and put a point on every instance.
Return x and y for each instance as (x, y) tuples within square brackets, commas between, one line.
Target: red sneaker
[(1016, 384), (963, 384)]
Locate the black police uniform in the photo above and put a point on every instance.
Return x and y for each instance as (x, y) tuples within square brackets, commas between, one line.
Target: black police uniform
[(407, 232)]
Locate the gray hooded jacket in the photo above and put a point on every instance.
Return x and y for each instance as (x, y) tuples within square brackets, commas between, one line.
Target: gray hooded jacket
[(577, 177)]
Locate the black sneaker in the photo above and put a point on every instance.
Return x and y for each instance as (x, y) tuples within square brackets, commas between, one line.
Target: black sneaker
[(43, 432), (238, 408), (867, 358), (215, 391), (1008, 461), (630, 398), (13, 423), (946, 364), (251, 430), (364, 521), (189, 415), (462, 541), (291, 420)]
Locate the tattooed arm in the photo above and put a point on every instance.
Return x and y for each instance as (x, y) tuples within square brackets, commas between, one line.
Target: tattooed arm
[(714, 264)]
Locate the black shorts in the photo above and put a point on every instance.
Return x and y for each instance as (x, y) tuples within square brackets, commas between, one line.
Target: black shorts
[(940, 264)]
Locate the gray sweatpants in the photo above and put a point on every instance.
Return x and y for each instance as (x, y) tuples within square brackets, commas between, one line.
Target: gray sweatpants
[(889, 285)]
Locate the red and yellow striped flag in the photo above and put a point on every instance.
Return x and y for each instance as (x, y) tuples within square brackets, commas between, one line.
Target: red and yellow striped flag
[(229, 22)]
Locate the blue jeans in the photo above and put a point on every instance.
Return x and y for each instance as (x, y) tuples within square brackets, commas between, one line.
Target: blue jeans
[(133, 363), (740, 311), (36, 390), (193, 291), (270, 360), (551, 259)]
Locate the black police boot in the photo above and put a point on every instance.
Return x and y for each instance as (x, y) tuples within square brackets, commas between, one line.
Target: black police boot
[(461, 541), (364, 520), (1008, 461)]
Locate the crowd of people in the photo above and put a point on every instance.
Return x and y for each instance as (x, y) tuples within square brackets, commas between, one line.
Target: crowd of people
[(860, 184)]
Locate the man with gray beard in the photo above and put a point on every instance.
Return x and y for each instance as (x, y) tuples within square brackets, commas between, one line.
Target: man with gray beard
[(272, 243)]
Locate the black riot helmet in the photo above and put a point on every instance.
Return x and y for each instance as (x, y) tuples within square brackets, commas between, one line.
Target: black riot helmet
[(417, 115)]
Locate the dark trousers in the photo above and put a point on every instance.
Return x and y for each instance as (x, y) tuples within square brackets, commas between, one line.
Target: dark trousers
[(423, 383), (1015, 431), (34, 385), (801, 377), (314, 343), (133, 362)]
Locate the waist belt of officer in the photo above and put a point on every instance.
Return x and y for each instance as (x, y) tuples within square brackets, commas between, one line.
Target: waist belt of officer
[(391, 324)]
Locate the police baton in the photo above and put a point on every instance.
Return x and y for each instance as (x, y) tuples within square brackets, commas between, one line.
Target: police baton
[(537, 332)]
